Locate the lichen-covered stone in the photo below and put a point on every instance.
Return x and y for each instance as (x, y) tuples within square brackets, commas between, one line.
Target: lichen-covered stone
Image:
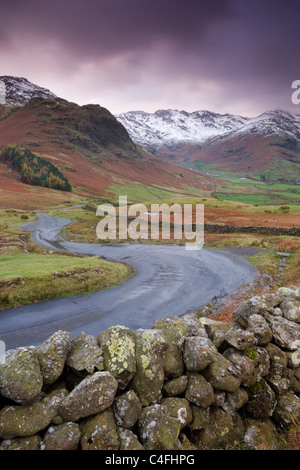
[(224, 431), (259, 327), (293, 359), (194, 323), (278, 360), (240, 339), (118, 346), (93, 395), (22, 443), (215, 374), (287, 409), (128, 440), (235, 400), (293, 377), (175, 330), (280, 385), (292, 292), (157, 430), (27, 420), (65, 436), (286, 334), (261, 434), (216, 331), (277, 312), (262, 401), (219, 398), (175, 387), (204, 312), (100, 432), (127, 409), (183, 443), (245, 363), (147, 383), (272, 300), (223, 374), (85, 355), (255, 305), (264, 306), (291, 310), (199, 391), (198, 352), (262, 360), (52, 355), (21, 379), (57, 420), (200, 418), (178, 408)]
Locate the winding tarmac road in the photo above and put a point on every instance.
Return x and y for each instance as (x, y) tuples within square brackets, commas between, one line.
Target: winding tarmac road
[(169, 280)]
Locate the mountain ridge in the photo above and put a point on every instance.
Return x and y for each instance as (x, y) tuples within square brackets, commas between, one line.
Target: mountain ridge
[(232, 143), (89, 146), (19, 90), (218, 124)]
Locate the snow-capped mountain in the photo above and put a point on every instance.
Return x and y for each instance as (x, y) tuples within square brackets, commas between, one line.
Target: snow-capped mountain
[(232, 143), (90, 146), (17, 91), (274, 123), (169, 127)]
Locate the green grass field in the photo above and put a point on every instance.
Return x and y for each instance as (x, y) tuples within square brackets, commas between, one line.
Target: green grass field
[(35, 265), (141, 193), (276, 185), (26, 279), (29, 273)]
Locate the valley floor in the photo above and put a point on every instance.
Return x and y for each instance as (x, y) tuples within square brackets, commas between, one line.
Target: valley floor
[(30, 273)]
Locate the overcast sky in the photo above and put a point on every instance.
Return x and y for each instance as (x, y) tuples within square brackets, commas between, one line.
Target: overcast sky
[(235, 56)]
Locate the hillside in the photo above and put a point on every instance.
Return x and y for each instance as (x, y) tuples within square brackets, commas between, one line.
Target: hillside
[(91, 148), (19, 90), (267, 146), (34, 170)]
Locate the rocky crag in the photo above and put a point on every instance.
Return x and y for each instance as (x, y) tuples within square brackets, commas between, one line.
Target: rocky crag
[(188, 383)]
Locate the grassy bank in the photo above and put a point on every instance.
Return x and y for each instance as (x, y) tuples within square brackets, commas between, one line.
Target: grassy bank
[(26, 279), (29, 273)]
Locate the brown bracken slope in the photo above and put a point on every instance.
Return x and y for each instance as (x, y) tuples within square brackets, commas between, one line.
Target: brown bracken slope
[(91, 148), (245, 153)]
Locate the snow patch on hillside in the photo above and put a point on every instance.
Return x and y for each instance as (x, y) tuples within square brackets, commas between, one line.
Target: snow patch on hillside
[(18, 91)]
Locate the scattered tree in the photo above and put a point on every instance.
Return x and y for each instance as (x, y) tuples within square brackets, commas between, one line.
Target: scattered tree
[(33, 169)]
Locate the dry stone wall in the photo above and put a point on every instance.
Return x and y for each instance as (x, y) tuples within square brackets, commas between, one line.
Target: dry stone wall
[(188, 383), (276, 231)]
